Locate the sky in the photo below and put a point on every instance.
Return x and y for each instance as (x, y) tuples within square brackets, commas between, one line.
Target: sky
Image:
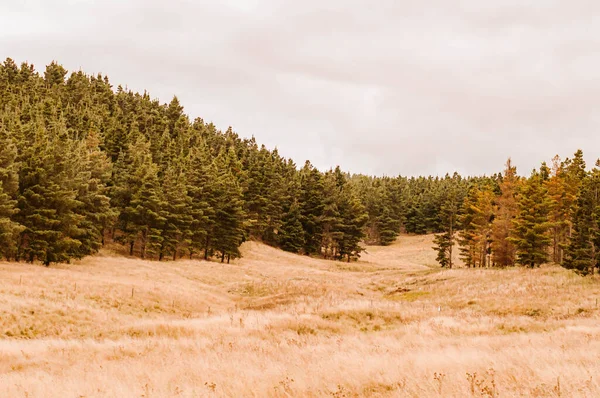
[(381, 87)]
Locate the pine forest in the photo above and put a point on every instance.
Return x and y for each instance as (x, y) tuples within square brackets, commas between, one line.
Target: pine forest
[(84, 164)]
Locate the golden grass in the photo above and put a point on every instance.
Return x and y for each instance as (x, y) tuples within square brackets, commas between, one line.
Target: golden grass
[(275, 324)]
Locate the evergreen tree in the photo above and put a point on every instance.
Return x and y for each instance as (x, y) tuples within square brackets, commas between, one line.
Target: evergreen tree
[(415, 220), (574, 175), (504, 251), (444, 242), (48, 199), (282, 190), (354, 217), (227, 232), (291, 234), (560, 205), (176, 211), (531, 224), (138, 197), (146, 204), (55, 74), (476, 223), (256, 198), (384, 203), (201, 176), (9, 185), (331, 220), (582, 254), (288, 232), (467, 236), (311, 208), (387, 227), (92, 196)]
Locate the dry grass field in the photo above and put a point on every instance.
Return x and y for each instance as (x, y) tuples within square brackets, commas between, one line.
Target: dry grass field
[(278, 325)]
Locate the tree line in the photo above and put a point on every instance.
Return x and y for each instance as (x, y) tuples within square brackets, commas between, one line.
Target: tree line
[(83, 164), (553, 215)]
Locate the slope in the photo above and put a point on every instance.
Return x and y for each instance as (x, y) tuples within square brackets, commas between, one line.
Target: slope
[(277, 324)]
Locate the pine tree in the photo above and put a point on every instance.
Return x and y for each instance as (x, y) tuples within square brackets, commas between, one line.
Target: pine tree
[(146, 206), (291, 235), (55, 74), (560, 204), (384, 203), (311, 207), (138, 197), (476, 222), (504, 251), (331, 220), (94, 174), (201, 176), (354, 217), (582, 254), (48, 199), (484, 218), (415, 220), (256, 198), (288, 233), (176, 211), (9, 185), (121, 192), (227, 232), (387, 227), (467, 235), (444, 242), (574, 176), (388, 218), (282, 189), (531, 224)]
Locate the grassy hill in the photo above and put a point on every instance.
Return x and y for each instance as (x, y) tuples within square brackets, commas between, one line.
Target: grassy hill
[(277, 324)]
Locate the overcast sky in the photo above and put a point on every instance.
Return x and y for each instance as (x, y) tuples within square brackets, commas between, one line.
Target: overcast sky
[(378, 87)]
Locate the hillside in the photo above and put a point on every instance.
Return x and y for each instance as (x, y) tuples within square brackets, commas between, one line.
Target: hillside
[(278, 324), (84, 163), (122, 166)]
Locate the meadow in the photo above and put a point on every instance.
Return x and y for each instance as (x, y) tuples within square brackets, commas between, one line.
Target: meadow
[(274, 324)]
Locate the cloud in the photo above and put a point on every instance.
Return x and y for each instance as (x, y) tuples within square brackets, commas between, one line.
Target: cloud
[(392, 87)]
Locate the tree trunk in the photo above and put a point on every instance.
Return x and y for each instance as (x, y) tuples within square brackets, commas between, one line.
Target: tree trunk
[(206, 247), (554, 242), (19, 248), (451, 242), (143, 245)]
